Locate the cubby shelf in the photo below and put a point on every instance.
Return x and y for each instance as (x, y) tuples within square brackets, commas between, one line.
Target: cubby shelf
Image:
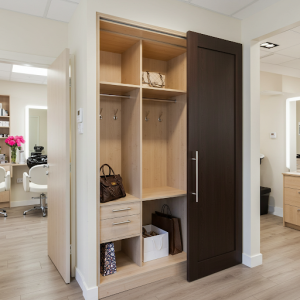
[(150, 92), (113, 88), (161, 193), (128, 198), (127, 268)]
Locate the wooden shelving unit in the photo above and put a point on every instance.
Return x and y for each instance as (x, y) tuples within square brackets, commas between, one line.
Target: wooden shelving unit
[(150, 155)]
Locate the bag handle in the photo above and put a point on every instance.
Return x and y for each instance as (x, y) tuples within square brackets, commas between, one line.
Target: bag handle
[(167, 208), (110, 169), (161, 244)]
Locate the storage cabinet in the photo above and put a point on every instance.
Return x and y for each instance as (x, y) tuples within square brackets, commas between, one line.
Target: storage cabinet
[(291, 200), (142, 136)]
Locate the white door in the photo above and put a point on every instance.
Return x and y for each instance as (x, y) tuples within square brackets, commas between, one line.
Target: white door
[(58, 123)]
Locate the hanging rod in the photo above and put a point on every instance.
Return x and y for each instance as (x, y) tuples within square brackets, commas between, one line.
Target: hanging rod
[(147, 99)]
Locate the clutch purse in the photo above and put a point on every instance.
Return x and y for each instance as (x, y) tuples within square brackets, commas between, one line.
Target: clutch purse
[(153, 79), (111, 186)]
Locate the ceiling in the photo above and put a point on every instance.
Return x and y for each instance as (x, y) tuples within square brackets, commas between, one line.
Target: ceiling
[(287, 54), (7, 74), (59, 10), (239, 9)]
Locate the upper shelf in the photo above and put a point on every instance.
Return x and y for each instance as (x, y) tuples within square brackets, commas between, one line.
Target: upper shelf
[(117, 88), (150, 92)]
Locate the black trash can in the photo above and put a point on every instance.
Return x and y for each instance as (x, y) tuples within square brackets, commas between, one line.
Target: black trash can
[(264, 200)]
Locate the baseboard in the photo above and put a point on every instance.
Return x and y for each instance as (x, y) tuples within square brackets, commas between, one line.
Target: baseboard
[(24, 202), (252, 261), (88, 294), (277, 211)]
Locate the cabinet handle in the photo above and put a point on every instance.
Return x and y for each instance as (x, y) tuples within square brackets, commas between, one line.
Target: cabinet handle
[(122, 209), (121, 222), (197, 187)]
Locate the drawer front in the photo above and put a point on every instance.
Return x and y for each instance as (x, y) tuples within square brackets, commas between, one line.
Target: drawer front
[(120, 210), (292, 214), (292, 197), (118, 228), (4, 197), (292, 182)]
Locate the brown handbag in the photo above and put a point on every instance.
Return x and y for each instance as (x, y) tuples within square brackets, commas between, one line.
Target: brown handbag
[(111, 186), (170, 224)]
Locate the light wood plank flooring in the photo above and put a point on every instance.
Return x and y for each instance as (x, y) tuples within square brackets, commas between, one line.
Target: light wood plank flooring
[(26, 272), (277, 279)]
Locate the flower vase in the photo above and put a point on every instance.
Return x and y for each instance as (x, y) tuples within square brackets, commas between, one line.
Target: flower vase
[(13, 155)]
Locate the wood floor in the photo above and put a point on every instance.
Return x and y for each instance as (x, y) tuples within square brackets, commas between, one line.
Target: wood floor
[(26, 272)]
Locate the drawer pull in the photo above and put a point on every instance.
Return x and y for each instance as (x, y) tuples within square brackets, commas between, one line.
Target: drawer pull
[(122, 209), (121, 222)]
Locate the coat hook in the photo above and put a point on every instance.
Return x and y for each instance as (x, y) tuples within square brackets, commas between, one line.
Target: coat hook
[(101, 113), (115, 116), (147, 114), (159, 118)]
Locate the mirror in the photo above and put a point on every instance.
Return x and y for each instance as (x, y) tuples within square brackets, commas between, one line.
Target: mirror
[(36, 127), (293, 134)]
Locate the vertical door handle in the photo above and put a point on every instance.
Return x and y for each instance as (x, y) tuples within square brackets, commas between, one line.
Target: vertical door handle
[(197, 186)]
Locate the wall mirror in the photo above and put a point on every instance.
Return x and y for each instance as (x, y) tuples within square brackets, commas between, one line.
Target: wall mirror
[(36, 128)]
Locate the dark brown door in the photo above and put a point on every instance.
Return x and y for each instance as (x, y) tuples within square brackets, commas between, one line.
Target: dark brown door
[(214, 155)]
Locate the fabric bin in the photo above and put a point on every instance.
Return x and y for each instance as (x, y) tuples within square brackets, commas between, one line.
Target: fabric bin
[(108, 263), (155, 247)]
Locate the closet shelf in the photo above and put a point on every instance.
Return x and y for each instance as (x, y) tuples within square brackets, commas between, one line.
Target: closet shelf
[(150, 92), (128, 198), (117, 88), (127, 268), (161, 193)]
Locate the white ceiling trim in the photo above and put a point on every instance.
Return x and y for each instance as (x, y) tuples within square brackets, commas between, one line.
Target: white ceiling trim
[(278, 69)]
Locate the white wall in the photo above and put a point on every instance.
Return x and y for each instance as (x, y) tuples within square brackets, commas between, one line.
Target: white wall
[(277, 18), (21, 94), (297, 126), (31, 39), (82, 42)]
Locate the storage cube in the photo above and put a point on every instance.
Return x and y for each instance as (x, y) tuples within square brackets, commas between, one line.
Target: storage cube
[(156, 246)]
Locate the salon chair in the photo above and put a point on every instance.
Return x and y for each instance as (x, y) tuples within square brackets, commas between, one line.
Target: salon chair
[(36, 182), (4, 185)]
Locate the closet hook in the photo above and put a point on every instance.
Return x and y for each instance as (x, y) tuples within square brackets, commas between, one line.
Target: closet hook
[(101, 113), (147, 114), (159, 118), (115, 116)]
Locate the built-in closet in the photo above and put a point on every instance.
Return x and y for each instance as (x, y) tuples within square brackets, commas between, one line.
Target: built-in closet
[(142, 135)]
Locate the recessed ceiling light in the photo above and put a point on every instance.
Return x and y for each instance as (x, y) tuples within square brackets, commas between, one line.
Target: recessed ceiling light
[(268, 45), (29, 70)]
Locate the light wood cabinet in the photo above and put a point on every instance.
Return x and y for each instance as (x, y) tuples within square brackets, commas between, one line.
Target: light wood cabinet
[(142, 135), (291, 200)]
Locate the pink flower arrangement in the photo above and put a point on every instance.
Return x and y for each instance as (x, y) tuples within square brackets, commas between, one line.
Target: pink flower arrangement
[(15, 141)]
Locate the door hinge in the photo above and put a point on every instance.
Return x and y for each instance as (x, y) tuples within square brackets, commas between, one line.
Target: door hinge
[(70, 82), (70, 167), (70, 249)]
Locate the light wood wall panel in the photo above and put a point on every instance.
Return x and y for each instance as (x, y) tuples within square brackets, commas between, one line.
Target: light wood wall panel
[(110, 134), (131, 144), (110, 66), (131, 64), (176, 73), (177, 144), (154, 144)]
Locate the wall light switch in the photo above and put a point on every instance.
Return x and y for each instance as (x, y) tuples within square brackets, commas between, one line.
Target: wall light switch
[(79, 116), (80, 127), (273, 135), (19, 180)]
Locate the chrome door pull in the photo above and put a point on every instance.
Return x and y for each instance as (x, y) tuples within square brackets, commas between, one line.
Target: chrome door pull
[(121, 222), (197, 177), (122, 209)]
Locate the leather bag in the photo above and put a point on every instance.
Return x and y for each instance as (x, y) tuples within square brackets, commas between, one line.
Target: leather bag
[(153, 79), (111, 186), (170, 224)]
